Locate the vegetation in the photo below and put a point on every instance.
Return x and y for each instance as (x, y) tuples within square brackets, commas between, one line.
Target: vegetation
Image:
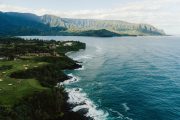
[(12, 23), (115, 26), (28, 79), (100, 33), (30, 24), (11, 47)]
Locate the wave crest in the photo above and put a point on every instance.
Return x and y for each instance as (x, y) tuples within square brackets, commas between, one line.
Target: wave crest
[(83, 103)]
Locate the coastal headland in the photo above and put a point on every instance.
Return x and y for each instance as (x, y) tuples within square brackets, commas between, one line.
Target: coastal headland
[(29, 73)]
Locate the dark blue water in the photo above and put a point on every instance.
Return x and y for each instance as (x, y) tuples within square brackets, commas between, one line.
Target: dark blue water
[(128, 78)]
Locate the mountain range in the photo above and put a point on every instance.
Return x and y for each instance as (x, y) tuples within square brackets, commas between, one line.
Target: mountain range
[(13, 23)]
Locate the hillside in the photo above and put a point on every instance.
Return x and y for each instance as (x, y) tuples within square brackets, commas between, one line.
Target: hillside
[(12, 23), (116, 26), (100, 33)]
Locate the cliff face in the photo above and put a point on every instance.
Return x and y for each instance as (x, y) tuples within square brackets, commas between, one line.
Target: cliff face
[(116, 26), (12, 23)]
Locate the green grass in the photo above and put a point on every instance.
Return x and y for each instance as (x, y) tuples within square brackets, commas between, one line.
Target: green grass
[(12, 90), (28, 76)]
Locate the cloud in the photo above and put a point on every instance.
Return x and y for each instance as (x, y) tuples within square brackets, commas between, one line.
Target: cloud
[(161, 13)]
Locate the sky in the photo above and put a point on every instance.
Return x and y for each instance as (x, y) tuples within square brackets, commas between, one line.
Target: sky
[(164, 14)]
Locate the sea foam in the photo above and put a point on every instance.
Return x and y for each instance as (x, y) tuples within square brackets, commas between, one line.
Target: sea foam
[(120, 116), (82, 68), (126, 108), (72, 79), (83, 103), (80, 57), (80, 101)]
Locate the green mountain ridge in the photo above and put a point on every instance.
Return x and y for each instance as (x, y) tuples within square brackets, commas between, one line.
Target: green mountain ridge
[(100, 33), (116, 26), (13, 23)]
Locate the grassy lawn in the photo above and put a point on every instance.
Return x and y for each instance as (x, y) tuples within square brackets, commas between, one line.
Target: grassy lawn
[(12, 90), (28, 75)]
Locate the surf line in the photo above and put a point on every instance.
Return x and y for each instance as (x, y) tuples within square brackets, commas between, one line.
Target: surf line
[(80, 101)]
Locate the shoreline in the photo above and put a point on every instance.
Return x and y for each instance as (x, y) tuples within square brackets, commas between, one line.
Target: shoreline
[(81, 113), (79, 100), (40, 99)]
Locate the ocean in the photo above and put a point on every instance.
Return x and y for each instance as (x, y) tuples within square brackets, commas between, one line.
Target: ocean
[(126, 78)]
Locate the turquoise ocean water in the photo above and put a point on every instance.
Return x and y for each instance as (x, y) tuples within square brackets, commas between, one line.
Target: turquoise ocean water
[(126, 78)]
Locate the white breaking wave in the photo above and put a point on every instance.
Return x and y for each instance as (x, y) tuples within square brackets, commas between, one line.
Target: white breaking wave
[(73, 79), (81, 102), (126, 108), (78, 98), (80, 57), (120, 116), (82, 68)]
